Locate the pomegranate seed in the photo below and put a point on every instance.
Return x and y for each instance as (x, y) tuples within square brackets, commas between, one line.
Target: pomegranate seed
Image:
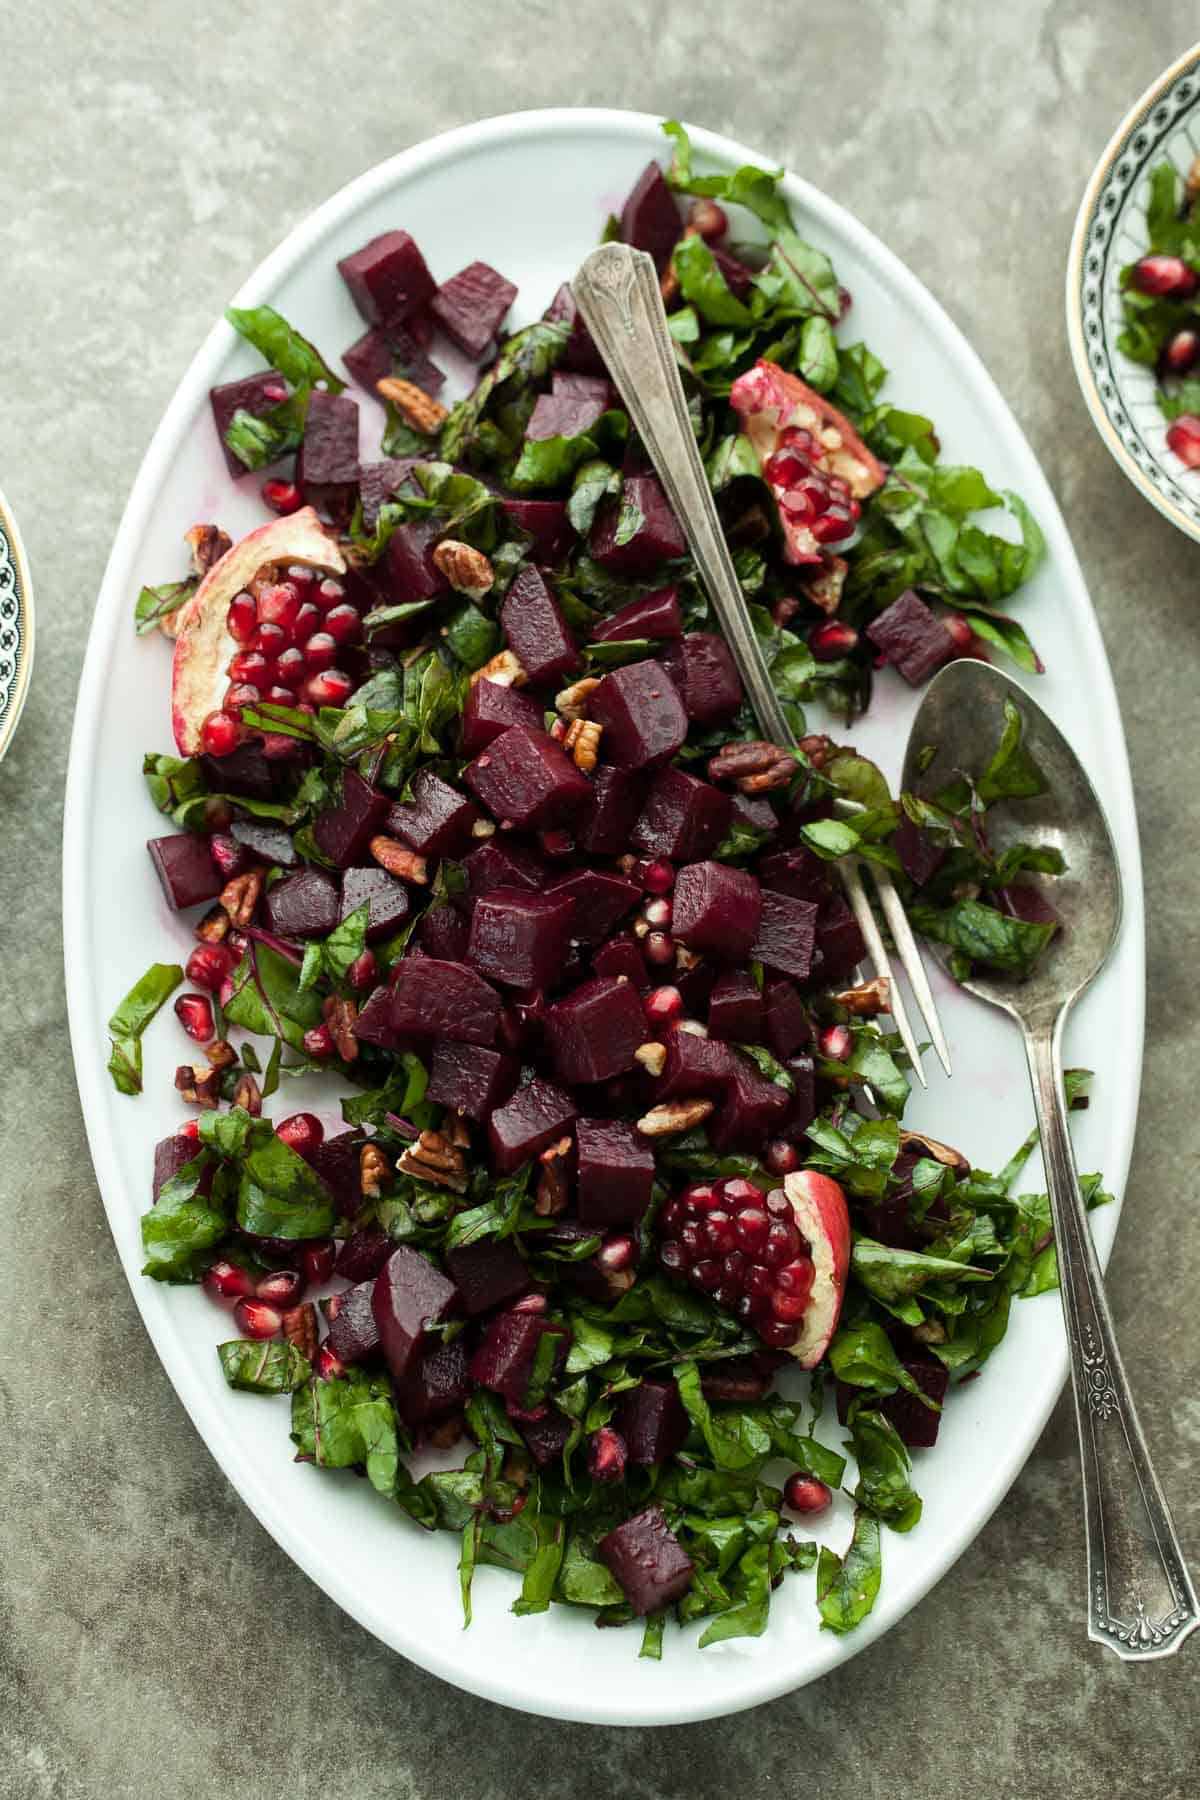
[(737, 1191), (751, 1227), (735, 1266), (291, 668), (195, 1014), (673, 1256), (1183, 437), (782, 1245), (617, 1253), (671, 1217), (779, 1206), (242, 618), (658, 947), (333, 688), (229, 856), (344, 624), (208, 966), (832, 639), (785, 469), (557, 842), (531, 1303), (252, 666), (316, 1261), (658, 912), (781, 1157), (275, 391), (836, 525), (708, 219), (606, 1455), (788, 1306), (255, 1319), (781, 1334), (1179, 353), (271, 640), (663, 1005), (320, 652), (219, 734), (727, 1296), (278, 696), (758, 1281), (318, 1043), (308, 620), (282, 496), (693, 1237), (302, 579), (657, 877), (239, 695), (281, 1288), (805, 1494), (223, 1280), (279, 605), (189, 1129), (836, 1043), (363, 971), (1165, 276), (302, 1132), (328, 1366), (718, 1231), (961, 635), (795, 437), (329, 593), (702, 1198), (797, 1278), (817, 494)]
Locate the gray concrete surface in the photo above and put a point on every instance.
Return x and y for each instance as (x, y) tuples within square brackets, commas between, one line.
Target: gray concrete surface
[(153, 1641)]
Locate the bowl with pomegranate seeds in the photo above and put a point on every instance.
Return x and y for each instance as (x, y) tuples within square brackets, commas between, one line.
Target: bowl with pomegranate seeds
[(507, 1142)]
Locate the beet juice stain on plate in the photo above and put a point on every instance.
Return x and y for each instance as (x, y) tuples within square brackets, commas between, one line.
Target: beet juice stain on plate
[(16, 626)]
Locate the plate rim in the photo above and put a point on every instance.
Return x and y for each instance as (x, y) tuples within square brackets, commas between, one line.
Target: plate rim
[(216, 1424), (19, 692)]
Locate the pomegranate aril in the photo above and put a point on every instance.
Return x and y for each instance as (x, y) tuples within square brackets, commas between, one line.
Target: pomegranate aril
[(240, 694), (344, 624), (961, 634), (709, 219), (663, 1006), (308, 620), (671, 1217), (781, 1334), (797, 1278), (816, 493), (189, 1129), (606, 1455), (727, 1296), (693, 1237), (316, 1261), (751, 1227), (788, 1306), (719, 1232), (795, 437), (1179, 353), (272, 640), (252, 666), (836, 1043), (328, 1366), (279, 696), (758, 1281), (702, 1197), (1165, 276), (320, 652), (195, 1014), (779, 1206), (256, 1319), (279, 605), (617, 1253), (785, 469), (208, 966), (1183, 437), (737, 1191), (329, 593), (781, 1157), (363, 971), (333, 688), (291, 668), (302, 1132), (242, 618), (806, 1495), (275, 391), (225, 1281), (707, 1273), (282, 497), (735, 1266), (672, 1256), (782, 1245), (302, 579), (657, 877), (318, 1043), (834, 526), (832, 639), (219, 734), (281, 1288)]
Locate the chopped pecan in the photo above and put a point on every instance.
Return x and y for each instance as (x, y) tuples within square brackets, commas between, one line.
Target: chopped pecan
[(456, 1131), (572, 701), (652, 1057), (415, 406), (374, 1171), (399, 860), (583, 741), (505, 669), (208, 544), (931, 1331), (221, 1054), (466, 569), (300, 1328), (198, 1086), (916, 1142), (432, 1159), (213, 928), (553, 1192), (868, 999), (248, 1095), (825, 589), (754, 767), (784, 609), (239, 897), (818, 749), (674, 1116), (483, 828), (339, 1014), (694, 1026), (686, 959)]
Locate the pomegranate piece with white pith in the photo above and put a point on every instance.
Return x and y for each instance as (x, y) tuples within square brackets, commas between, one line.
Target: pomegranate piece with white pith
[(778, 1261), (817, 467), (259, 628)]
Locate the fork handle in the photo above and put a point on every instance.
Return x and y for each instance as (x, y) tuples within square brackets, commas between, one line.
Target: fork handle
[(1141, 1602), (617, 292)]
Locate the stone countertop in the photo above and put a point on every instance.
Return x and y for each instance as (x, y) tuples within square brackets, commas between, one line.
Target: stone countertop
[(154, 1640)]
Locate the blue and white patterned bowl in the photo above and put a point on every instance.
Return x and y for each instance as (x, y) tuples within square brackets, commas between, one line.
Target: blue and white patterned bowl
[(16, 626), (1110, 231)]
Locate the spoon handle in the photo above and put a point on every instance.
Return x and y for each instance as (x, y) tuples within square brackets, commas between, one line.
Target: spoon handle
[(1141, 1602)]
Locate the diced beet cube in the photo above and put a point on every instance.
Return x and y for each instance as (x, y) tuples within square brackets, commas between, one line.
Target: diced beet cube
[(596, 387), (916, 1423), (507, 1359), (735, 1008), (387, 278), (244, 771), (697, 1068), (738, 276), (434, 999), (353, 1333), (342, 832), (327, 466), (1021, 900), (374, 1022), (526, 779), (614, 1172), (657, 538), (170, 1155), (546, 1438), (521, 938), (606, 819), (802, 1108), (684, 818), (566, 415), (537, 1115), (797, 872), (755, 812), (438, 1382), (442, 933), (255, 394), (650, 217), (786, 1024), (648, 1562), (266, 843), (912, 638), (384, 896), (621, 956), (336, 1163), (600, 900), (652, 1420), (920, 857), (594, 1031), (491, 709), (186, 869), (437, 820), (580, 352), (547, 523), (717, 908), (363, 1254), (642, 715), (470, 307), (536, 629), (303, 905), (502, 865), (839, 939), (705, 673), (471, 1079), (786, 932), (396, 352), (751, 1110), (409, 1295), (487, 1274), (695, 987), (410, 571), (656, 615), (378, 483)]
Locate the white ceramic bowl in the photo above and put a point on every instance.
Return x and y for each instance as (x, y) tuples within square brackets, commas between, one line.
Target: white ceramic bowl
[(530, 193), (16, 626)]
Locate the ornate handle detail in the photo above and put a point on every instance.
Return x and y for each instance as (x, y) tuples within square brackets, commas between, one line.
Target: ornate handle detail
[(1141, 1602)]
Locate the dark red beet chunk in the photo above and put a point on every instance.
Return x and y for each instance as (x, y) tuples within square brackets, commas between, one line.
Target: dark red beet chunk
[(684, 818), (750, 1112), (384, 896), (471, 1079), (650, 217), (470, 307), (187, 871), (437, 820), (797, 872), (696, 1068), (327, 466), (336, 1162), (614, 1172), (387, 278), (303, 905), (695, 986), (606, 819), (658, 537), (547, 522), (920, 857), (383, 353), (705, 673), (244, 771), (438, 1382), (409, 1295), (581, 352), (594, 1031), (526, 779), (642, 715), (432, 999), (656, 615), (378, 483), (353, 1332), (786, 933), (343, 832), (839, 940), (916, 1423), (546, 1439), (536, 1116), (565, 415), (717, 909), (410, 571), (505, 1360), (600, 900), (786, 1024), (652, 1420), (503, 865), (442, 933), (268, 843), (536, 629), (363, 1254), (758, 814), (802, 1108), (256, 394), (487, 1274), (647, 1560), (374, 1022), (491, 709), (621, 956), (597, 387), (738, 276), (171, 1155), (912, 638), (521, 938), (735, 1008)]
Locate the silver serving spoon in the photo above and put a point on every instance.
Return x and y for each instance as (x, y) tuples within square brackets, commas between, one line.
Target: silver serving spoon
[(1141, 1601)]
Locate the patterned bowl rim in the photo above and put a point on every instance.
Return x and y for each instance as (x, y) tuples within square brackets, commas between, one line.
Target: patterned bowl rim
[(17, 694), (1102, 194)]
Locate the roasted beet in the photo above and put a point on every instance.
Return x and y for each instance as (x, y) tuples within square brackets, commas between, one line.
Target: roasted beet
[(597, 387), (343, 831), (656, 615), (170, 1155), (438, 1382), (917, 1423), (797, 872), (303, 905), (580, 352), (184, 865), (786, 1024), (501, 864), (802, 1107), (384, 896), (442, 932), (471, 1079), (650, 217), (244, 771), (607, 817), (647, 1560), (387, 278), (621, 956), (656, 538), (437, 820), (267, 843), (614, 1172), (521, 938), (756, 813), (487, 1274), (593, 1032), (786, 934), (409, 1295), (525, 779), (536, 630), (912, 638), (470, 307), (377, 354), (567, 415), (410, 572), (335, 1160), (327, 466), (374, 1022), (378, 483), (511, 1361), (705, 673), (920, 857), (600, 900), (735, 1382), (717, 908), (537, 1115), (735, 1008), (684, 818), (353, 1333), (751, 1110), (642, 715), (547, 523), (363, 1254), (257, 395), (697, 1068), (490, 709), (839, 940), (434, 999), (546, 1438), (652, 1420)]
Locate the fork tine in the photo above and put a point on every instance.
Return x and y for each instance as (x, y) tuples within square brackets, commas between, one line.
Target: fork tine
[(861, 908), (914, 965)]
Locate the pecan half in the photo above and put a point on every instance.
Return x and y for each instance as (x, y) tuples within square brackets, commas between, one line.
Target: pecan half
[(198, 1086), (652, 1057), (374, 1171), (754, 767), (916, 1143), (505, 669), (208, 544), (456, 1131), (415, 406), (221, 1054), (239, 897), (483, 828), (399, 860), (213, 928), (466, 569), (674, 1116), (339, 1014), (572, 701), (432, 1159), (553, 1191), (583, 741), (866, 1000), (825, 589), (300, 1328), (818, 749), (248, 1095)]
